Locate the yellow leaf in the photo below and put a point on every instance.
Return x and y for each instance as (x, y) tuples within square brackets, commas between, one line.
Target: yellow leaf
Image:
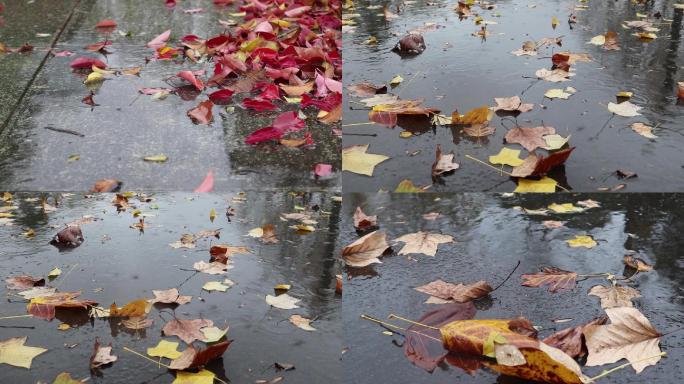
[(201, 377), (94, 77), (305, 228), (598, 40), (406, 186), (647, 35), (256, 232), (507, 156), (166, 349), (55, 272), (63, 326), (292, 100), (356, 160), (29, 233), (215, 286), (554, 22), (282, 287), (405, 134), (156, 158), (565, 208), (585, 241), (624, 94), (396, 80), (545, 185), (478, 115), (213, 334), (212, 215), (14, 352), (555, 141), (557, 94)]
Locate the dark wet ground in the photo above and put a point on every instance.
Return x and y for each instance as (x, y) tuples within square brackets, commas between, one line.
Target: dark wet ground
[(460, 71), (491, 236), (117, 263), (126, 126)]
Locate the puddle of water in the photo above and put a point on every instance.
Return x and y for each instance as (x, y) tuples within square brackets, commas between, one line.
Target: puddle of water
[(117, 263), (460, 71), (490, 237)]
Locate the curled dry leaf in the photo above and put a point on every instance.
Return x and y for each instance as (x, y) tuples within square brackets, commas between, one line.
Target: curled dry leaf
[(194, 358), (367, 89), (71, 236), (443, 163), (283, 301), (101, 355), (366, 250), (571, 340), (363, 222), (629, 335), (24, 282), (202, 113), (636, 263), (106, 185), (644, 130), (135, 308), (423, 242), (615, 296), (412, 44), (302, 323), (555, 278), (213, 268)]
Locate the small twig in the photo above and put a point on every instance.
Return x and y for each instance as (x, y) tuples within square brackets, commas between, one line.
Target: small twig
[(14, 317), (359, 134), (18, 326), (66, 275), (504, 172), (357, 124), (507, 277), (62, 130), (393, 316)]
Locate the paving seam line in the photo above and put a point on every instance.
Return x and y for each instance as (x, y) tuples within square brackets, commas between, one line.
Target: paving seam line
[(40, 67)]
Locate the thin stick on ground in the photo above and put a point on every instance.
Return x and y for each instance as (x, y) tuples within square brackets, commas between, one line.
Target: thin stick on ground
[(14, 317), (388, 325), (393, 316), (507, 277), (159, 362)]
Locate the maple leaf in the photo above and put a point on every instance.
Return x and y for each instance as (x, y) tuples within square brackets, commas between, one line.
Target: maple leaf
[(423, 242), (14, 352), (615, 296), (169, 296), (459, 293), (24, 282), (101, 355), (367, 89), (213, 268), (137, 322), (511, 104), (135, 308), (186, 330), (166, 349), (193, 358), (202, 114), (443, 163), (629, 335), (507, 156), (283, 301), (302, 323), (636, 263), (356, 159), (529, 138), (556, 278)]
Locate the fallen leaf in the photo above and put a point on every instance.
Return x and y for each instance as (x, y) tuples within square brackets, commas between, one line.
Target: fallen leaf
[(156, 158), (571, 340), (366, 250), (423, 242), (644, 130), (137, 322), (615, 296), (135, 308), (555, 278), (625, 109), (460, 293), (213, 268), (584, 241), (169, 296), (283, 301), (367, 89), (101, 355), (511, 104), (215, 286), (529, 138), (164, 348), (544, 185), (507, 156), (193, 358), (186, 330), (202, 113), (629, 335), (201, 377), (636, 263), (160, 40), (443, 163), (362, 222), (14, 352), (24, 282), (356, 159), (302, 323)]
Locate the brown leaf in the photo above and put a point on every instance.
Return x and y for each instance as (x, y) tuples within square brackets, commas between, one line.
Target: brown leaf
[(213, 268), (367, 89), (366, 250), (388, 119), (629, 335), (419, 348), (423, 242), (101, 355), (333, 116), (571, 340), (546, 164), (186, 330), (193, 358), (412, 43), (615, 295), (106, 185), (135, 308), (459, 293), (556, 278), (169, 296), (636, 263), (24, 282), (529, 138), (202, 113), (479, 130), (137, 323), (222, 252), (443, 163), (512, 104), (70, 236), (363, 222), (269, 235), (611, 43)]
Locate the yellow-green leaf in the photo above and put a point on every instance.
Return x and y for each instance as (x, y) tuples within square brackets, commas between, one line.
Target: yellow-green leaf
[(14, 352), (585, 241), (166, 349), (545, 185), (396, 80), (156, 158), (201, 377), (507, 156), (54, 273), (355, 159)]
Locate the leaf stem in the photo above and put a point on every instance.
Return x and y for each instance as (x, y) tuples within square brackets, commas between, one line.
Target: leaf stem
[(393, 316), (14, 317), (619, 367)]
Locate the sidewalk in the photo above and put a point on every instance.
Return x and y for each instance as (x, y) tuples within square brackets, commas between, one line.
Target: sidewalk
[(126, 126)]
